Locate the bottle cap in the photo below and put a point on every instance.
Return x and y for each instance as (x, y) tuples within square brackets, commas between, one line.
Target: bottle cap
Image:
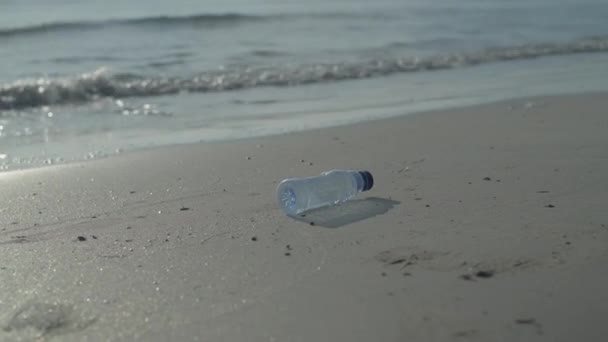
[(368, 180)]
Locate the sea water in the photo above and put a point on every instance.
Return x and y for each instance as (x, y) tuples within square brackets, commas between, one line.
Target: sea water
[(87, 79)]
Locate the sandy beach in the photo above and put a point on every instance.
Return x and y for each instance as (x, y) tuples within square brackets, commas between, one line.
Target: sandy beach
[(486, 223)]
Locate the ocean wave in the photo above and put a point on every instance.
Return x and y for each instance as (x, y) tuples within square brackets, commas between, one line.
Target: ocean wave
[(201, 20), (101, 84)]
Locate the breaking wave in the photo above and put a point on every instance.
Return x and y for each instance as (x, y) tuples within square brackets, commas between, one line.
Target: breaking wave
[(100, 84)]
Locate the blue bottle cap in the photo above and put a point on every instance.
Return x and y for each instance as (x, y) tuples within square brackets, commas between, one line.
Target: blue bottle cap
[(368, 180)]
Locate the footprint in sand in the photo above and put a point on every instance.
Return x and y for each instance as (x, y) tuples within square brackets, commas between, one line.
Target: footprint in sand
[(44, 319)]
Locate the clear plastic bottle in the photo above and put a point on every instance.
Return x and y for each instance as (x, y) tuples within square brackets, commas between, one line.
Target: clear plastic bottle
[(297, 195)]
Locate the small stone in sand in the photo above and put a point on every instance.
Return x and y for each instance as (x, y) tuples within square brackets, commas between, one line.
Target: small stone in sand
[(525, 321), (428, 205), (287, 254), (248, 158), (312, 223), (466, 277), (255, 238), (398, 261), (418, 199), (184, 209), (549, 206), (487, 179), (82, 238), (94, 237), (132, 191), (302, 160), (310, 163), (484, 274), (288, 247)]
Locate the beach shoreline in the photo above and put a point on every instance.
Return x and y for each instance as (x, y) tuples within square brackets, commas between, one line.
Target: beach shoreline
[(485, 223)]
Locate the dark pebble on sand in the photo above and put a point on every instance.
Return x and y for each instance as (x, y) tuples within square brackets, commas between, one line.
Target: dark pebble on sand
[(287, 254), (397, 262), (184, 209), (94, 237), (82, 238), (312, 223), (428, 205), (525, 321), (418, 199), (487, 178), (132, 192), (255, 238), (383, 274), (549, 206), (288, 247), (484, 274), (568, 243), (466, 277)]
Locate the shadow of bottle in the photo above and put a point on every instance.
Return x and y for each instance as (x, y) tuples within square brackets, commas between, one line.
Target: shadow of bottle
[(343, 214)]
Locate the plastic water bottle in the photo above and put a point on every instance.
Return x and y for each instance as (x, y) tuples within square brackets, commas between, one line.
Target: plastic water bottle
[(297, 195)]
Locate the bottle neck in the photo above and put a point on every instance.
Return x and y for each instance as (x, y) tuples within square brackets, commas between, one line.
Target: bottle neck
[(359, 179)]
